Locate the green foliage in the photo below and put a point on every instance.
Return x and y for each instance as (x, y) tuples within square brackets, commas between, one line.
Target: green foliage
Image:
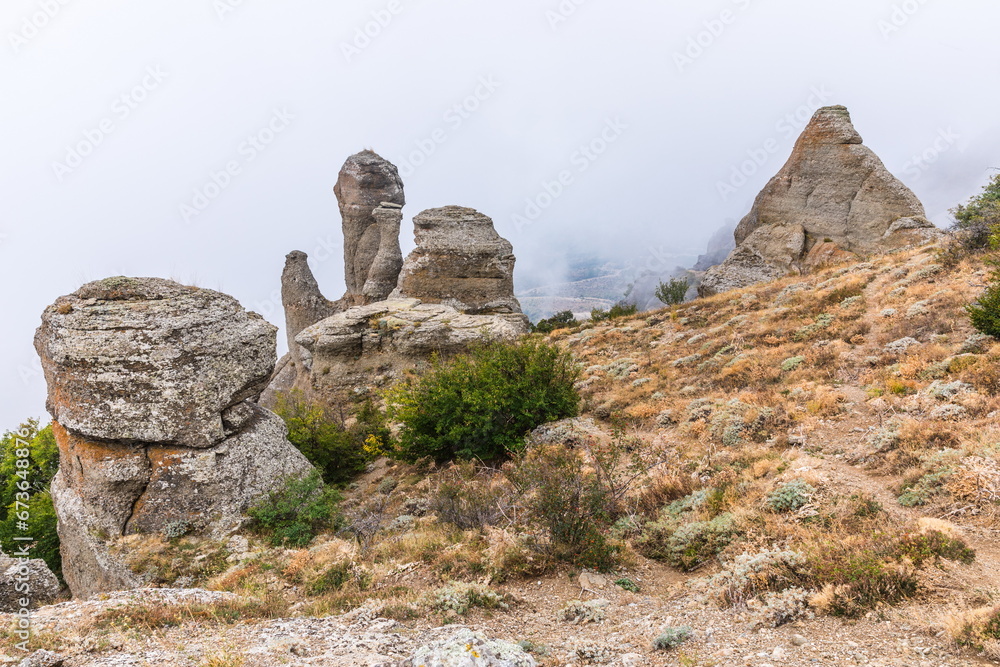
[(36, 450), (333, 579), (977, 223), (480, 405), (925, 488), (672, 638), (693, 544), (933, 546), (338, 452), (561, 320), (617, 310), (295, 513), (672, 293), (791, 496), (461, 598), (985, 312), (627, 584)]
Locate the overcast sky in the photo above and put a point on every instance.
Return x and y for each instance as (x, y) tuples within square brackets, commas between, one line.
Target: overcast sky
[(200, 139)]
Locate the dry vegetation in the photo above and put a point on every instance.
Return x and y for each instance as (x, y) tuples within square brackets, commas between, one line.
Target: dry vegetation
[(820, 445)]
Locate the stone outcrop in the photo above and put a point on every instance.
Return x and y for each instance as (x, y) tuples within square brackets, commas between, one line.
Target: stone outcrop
[(373, 345), (719, 246), (151, 388), (372, 258), (460, 261), (30, 580), (833, 190)]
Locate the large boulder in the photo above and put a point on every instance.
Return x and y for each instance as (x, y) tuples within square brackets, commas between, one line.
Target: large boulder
[(151, 387), (149, 360), (372, 258), (460, 261), (373, 345), (26, 580), (833, 190)]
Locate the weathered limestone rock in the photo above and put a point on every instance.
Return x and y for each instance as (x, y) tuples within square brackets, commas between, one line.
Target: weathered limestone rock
[(837, 191), (366, 182), (149, 360), (460, 261), (15, 574), (388, 261), (372, 345), (301, 298), (172, 370)]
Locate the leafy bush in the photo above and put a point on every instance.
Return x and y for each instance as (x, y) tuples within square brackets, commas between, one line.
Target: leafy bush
[(338, 452), (618, 310), (985, 312), (920, 492), (480, 405), (561, 320), (673, 292), (295, 513), (672, 638), (791, 496), (32, 480), (977, 222)]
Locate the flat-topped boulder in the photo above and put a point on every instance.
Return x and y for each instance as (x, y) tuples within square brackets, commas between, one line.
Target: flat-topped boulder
[(151, 388), (149, 360), (460, 261), (372, 345)]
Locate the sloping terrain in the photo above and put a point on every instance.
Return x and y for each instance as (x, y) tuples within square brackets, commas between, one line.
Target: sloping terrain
[(813, 421)]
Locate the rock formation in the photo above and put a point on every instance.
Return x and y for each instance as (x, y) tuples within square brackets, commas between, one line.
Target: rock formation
[(460, 261), (833, 190), (373, 345), (372, 258), (44, 586), (151, 386), (719, 247)]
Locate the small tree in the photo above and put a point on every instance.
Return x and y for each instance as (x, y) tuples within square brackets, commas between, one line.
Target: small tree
[(977, 223), (673, 292), (561, 320), (985, 312)]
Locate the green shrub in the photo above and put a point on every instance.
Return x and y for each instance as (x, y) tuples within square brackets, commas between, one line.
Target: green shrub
[(934, 546), (337, 452), (333, 579), (295, 513), (977, 222), (693, 544), (480, 405), (925, 488), (627, 584), (791, 496), (461, 598), (672, 293), (33, 478), (985, 312), (672, 638), (618, 310), (561, 320)]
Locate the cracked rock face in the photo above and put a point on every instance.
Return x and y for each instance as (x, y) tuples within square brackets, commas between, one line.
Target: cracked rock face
[(372, 257), (460, 261), (150, 387), (837, 192)]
